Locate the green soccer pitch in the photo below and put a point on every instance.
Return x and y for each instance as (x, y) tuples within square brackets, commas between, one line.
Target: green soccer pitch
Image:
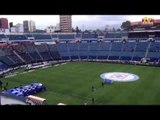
[(72, 83)]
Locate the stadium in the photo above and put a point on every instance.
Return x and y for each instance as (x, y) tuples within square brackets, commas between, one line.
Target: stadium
[(70, 66)]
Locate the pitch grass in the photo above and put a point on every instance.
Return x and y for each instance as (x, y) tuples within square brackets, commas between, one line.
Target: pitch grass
[(72, 84)]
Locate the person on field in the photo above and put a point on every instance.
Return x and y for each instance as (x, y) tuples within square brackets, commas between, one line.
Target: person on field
[(93, 100), (92, 88), (102, 84)]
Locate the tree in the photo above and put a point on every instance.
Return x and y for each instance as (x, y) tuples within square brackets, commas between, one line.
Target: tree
[(118, 29), (73, 30), (94, 31), (98, 30), (113, 29), (126, 25), (87, 31), (77, 29), (106, 28)]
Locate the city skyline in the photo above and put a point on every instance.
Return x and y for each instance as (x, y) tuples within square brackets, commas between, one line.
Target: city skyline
[(82, 21)]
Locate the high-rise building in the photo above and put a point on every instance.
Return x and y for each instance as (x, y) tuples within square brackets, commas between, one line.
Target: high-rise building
[(26, 26), (11, 24), (32, 26), (19, 28), (57, 28), (4, 23), (13, 29), (65, 23), (29, 26), (51, 29)]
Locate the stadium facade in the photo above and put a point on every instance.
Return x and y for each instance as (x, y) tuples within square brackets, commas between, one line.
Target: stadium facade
[(146, 28)]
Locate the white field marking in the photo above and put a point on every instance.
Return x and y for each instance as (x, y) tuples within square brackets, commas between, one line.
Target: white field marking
[(56, 65), (63, 63), (10, 75), (31, 70), (23, 72), (119, 76)]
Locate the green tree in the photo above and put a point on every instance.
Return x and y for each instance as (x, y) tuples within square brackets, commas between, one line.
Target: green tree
[(118, 29), (106, 28), (73, 30), (87, 31), (126, 25), (113, 29), (77, 29)]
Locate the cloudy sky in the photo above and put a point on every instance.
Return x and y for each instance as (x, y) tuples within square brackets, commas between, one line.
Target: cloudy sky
[(82, 21)]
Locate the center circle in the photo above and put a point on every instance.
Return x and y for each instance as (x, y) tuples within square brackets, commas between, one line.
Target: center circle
[(119, 76)]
